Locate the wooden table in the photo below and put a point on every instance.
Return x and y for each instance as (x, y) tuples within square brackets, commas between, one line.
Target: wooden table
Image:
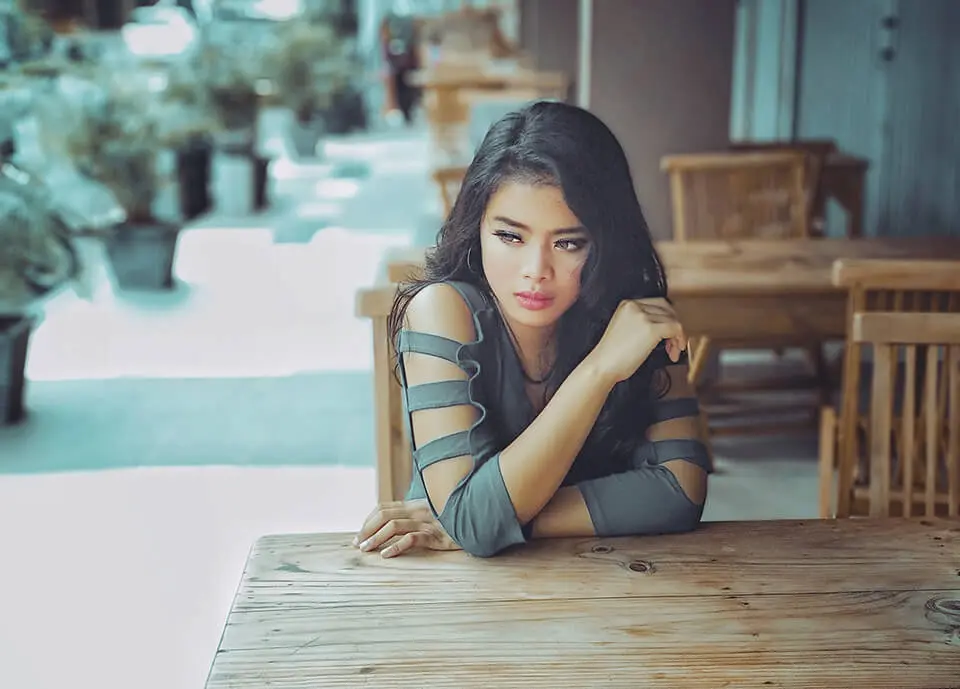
[(740, 292), (848, 603)]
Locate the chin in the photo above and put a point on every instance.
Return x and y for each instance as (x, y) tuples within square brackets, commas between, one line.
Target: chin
[(535, 319)]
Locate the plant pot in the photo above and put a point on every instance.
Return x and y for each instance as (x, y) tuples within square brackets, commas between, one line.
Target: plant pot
[(193, 177), (142, 254), (14, 339), (305, 135)]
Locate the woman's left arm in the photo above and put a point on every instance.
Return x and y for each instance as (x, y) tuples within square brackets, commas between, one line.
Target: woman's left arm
[(663, 492)]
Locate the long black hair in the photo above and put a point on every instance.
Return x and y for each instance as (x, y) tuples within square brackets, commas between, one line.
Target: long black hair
[(568, 147)]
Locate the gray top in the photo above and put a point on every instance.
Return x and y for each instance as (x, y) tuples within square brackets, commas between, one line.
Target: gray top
[(625, 495)]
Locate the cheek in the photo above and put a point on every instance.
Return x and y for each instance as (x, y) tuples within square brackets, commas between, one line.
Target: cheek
[(569, 272), (500, 265)]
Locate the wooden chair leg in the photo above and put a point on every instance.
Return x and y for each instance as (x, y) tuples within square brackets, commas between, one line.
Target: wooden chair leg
[(828, 460), (699, 355)]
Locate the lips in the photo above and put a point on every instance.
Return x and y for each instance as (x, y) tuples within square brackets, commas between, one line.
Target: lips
[(533, 301)]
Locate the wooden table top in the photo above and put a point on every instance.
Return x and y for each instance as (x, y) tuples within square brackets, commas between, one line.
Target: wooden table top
[(866, 603), (753, 265)]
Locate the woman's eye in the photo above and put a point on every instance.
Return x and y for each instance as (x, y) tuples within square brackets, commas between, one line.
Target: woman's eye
[(571, 244), (508, 237)]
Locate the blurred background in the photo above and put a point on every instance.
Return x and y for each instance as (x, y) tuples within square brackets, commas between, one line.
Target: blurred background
[(195, 195)]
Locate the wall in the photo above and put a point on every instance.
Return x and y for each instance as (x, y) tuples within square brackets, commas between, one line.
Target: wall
[(661, 79), (842, 87), (920, 180), (901, 113)]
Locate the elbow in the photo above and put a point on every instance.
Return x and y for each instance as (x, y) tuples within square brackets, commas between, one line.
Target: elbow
[(479, 548), (473, 535), (683, 516), (480, 527), (479, 515)]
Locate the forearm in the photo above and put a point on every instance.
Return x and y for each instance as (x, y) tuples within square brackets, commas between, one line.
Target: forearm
[(566, 515), (534, 465)]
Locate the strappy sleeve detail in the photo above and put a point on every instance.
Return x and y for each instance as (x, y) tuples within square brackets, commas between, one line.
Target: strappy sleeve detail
[(648, 498), (477, 513), (674, 408), (444, 447), (443, 393), (427, 343)]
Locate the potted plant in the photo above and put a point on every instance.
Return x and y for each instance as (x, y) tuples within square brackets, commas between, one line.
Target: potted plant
[(188, 125), (37, 259), (220, 78), (111, 137), (308, 67)]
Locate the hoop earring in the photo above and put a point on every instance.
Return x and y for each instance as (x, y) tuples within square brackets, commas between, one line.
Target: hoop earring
[(470, 262)]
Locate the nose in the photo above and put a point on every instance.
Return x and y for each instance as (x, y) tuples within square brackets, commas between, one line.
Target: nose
[(537, 263)]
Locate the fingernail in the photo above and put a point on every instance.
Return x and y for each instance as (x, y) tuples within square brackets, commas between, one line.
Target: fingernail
[(389, 552), (365, 545)]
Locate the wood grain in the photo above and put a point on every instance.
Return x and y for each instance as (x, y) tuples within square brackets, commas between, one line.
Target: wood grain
[(780, 603)]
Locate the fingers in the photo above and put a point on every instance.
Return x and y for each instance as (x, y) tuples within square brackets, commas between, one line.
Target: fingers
[(403, 544), (379, 517), (656, 305), (672, 331), (392, 529)]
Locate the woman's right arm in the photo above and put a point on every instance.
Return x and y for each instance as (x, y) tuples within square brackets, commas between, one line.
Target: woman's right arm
[(470, 494)]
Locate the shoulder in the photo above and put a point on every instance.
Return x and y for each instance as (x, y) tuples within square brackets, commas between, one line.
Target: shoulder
[(445, 308)]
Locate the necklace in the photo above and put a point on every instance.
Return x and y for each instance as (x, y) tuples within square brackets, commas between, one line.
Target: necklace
[(532, 380)]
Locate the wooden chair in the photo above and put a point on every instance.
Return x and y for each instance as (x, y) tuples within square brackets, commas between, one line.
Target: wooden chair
[(816, 151), (745, 195), (852, 431), (757, 195)]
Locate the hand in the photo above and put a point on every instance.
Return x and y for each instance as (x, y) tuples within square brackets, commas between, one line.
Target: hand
[(637, 327), (411, 521)]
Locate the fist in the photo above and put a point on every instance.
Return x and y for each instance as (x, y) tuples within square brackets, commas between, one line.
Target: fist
[(634, 331)]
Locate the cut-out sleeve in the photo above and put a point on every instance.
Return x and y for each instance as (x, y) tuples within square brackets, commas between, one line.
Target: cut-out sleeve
[(648, 498), (455, 451)]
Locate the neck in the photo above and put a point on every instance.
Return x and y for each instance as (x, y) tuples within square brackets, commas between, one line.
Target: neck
[(535, 347)]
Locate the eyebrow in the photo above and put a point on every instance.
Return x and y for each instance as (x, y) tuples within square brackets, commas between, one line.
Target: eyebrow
[(579, 229)]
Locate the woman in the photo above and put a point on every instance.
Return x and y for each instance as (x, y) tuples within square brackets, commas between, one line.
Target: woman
[(540, 361)]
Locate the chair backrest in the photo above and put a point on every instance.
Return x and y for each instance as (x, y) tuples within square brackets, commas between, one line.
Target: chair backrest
[(914, 436), (817, 152), (757, 195), (888, 286)]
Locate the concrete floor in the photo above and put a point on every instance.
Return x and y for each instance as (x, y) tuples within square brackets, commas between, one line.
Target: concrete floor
[(120, 573)]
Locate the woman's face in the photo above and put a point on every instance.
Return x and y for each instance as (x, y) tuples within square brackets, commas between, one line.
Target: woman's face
[(534, 249)]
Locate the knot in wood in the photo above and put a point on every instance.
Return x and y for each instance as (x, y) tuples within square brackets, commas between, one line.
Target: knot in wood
[(601, 549), (944, 610), (641, 566)]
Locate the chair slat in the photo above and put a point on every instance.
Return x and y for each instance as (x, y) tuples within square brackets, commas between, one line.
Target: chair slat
[(908, 413), (953, 429), (881, 413), (930, 392)]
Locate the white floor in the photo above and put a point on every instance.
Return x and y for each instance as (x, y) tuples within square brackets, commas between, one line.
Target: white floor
[(124, 579)]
